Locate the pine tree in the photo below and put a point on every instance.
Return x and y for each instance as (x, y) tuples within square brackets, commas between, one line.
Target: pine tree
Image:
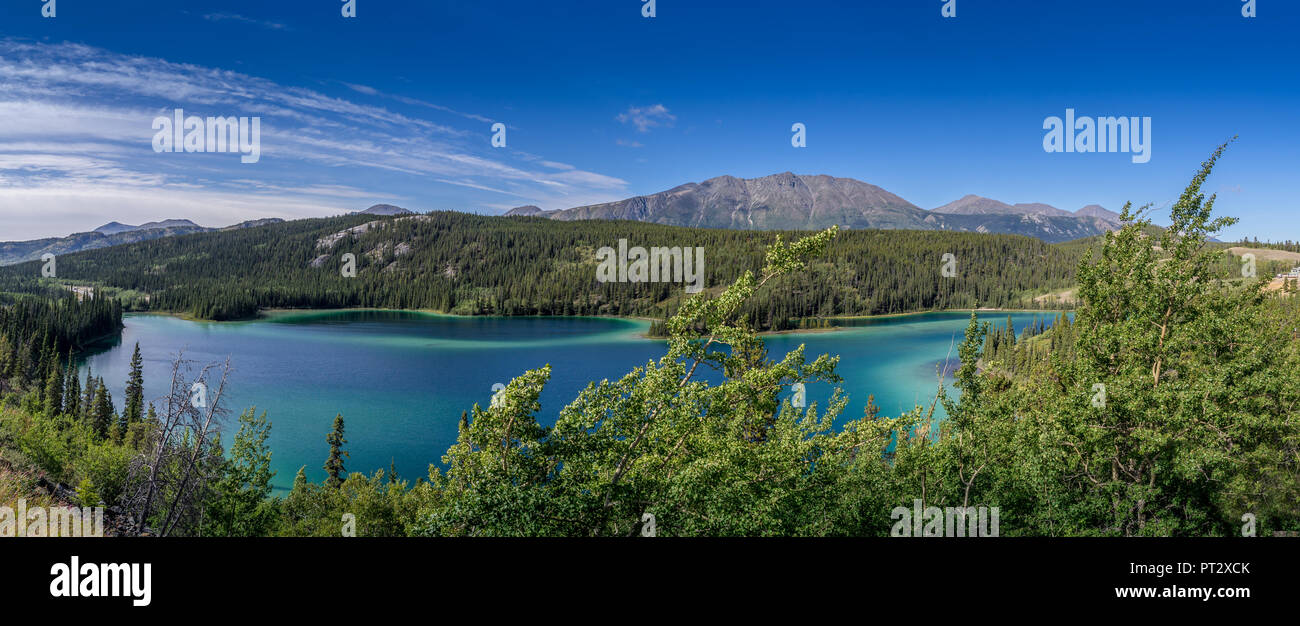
[(133, 410), (49, 357), (54, 392), (334, 464), (71, 390), (102, 409), (88, 396)]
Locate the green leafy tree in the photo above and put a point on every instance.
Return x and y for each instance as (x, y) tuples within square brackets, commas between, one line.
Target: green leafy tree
[(241, 505), (658, 441)]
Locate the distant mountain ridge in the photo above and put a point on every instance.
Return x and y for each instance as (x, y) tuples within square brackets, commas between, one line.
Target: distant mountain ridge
[(110, 234), (979, 205), (1096, 210), (788, 201), (114, 228), (117, 233), (385, 209)]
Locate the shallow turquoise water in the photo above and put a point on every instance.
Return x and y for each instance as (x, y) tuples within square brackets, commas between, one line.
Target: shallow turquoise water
[(401, 379)]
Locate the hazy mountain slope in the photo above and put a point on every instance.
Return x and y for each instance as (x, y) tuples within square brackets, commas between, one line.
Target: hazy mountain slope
[(12, 252), (1049, 228), (972, 204), (385, 209), (1095, 210), (110, 234), (782, 201), (792, 202)]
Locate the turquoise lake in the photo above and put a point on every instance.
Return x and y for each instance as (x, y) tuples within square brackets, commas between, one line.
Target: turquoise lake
[(401, 379)]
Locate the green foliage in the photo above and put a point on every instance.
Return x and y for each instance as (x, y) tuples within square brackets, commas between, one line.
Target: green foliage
[(702, 459), (369, 506), (1167, 407), (105, 465), (240, 505), (87, 495)]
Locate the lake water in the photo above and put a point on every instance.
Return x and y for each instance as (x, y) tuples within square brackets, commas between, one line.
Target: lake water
[(401, 379)]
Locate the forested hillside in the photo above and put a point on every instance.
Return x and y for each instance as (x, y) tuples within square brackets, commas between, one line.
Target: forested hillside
[(472, 264)]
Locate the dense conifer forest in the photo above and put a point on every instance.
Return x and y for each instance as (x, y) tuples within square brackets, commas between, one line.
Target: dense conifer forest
[(471, 264)]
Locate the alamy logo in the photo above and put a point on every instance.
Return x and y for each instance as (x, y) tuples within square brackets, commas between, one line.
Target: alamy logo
[(1248, 265), (199, 396), (949, 267), (658, 265), (1103, 134), (800, 398), (1099, 396), (242, 135), (102, 580), (39, 521), (952, 521)]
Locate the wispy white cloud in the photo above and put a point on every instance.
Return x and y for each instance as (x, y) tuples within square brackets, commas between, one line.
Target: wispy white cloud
[(76, 140), (235, 17), (371, 91), (645, 118)]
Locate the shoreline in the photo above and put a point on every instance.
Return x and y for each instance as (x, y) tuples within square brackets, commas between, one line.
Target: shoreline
[(268, 314), (979, 310)]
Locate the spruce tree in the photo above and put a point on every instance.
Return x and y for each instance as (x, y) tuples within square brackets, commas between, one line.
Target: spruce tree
[(334, 464), (133, 410), (54, 392), (102, 409), (71, 390), (88, 396)]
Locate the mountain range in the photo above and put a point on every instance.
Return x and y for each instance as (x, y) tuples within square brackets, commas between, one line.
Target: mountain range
[(117, 233), (110, 234), (779, 202), (385, 209), (789, 201)]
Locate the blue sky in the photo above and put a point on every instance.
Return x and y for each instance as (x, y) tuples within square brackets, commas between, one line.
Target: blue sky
[(396, 105)]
